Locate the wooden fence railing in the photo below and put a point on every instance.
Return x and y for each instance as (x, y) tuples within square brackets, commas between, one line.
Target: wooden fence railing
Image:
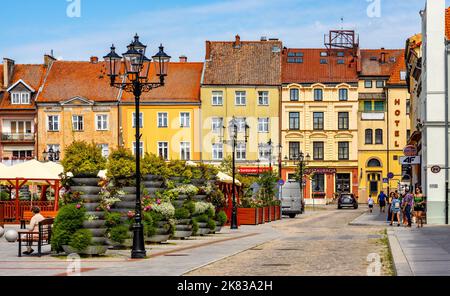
[(8, 209)]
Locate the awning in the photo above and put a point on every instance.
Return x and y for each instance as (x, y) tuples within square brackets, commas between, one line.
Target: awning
[(224, 178), (33, 170)]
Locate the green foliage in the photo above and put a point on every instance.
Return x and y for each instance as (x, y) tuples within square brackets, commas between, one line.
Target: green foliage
[(154, 165), (202, 218), (209, 172), (82, 158), (210, 212), (217, 197), (112, 219), (4, 196), (177, 168), (190, 206), (222, 218), (67, 222), (267, 181), (81, 239), (182, 213), (121, 165), (195, 227), (119, 234), (211, 224), (196, 173), (149, 229)]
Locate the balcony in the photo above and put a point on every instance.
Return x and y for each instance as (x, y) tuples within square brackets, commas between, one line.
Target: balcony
[(372, 115), (17, 137)]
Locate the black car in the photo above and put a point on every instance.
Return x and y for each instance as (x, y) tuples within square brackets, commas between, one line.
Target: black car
[(347, 200)]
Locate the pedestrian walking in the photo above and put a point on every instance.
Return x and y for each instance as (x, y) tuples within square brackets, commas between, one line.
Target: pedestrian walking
[(407, 205), (419, 207), (395, 209), (370, 202), (382, 201), (389, 203)]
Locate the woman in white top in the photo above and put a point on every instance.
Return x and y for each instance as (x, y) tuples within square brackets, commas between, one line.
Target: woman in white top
[(34, 227)]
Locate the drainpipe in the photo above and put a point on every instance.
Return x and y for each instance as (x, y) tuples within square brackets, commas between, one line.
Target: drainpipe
[(447, 52)]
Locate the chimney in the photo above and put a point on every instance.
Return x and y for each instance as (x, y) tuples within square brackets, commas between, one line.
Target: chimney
[(94, 60), (208, 50), (8, 69), (48, 59), (237, 42), (383, 56), (183, 59), (263, 38)]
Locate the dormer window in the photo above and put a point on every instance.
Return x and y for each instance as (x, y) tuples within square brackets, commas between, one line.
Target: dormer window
[(20, 98)]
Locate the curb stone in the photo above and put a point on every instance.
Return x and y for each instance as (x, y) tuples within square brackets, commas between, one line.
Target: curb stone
[(401, 264)]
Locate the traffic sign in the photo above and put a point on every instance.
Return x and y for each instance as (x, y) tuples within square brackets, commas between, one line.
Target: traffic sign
[(408, 160), (436, 169), (385, 180), (390, 176), (281, 182), (410, 150)]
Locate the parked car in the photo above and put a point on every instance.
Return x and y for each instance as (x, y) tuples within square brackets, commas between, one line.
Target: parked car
[(292, 203), (347, 200)]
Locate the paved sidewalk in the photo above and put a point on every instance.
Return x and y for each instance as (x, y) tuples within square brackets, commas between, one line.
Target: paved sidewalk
[(371, 219)]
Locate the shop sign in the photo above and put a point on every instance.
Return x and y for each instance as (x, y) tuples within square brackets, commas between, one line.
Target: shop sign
[(253, 170), (320, 171)]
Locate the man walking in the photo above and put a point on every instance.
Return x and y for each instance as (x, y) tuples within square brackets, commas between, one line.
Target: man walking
[(407, 204), (382, 201)]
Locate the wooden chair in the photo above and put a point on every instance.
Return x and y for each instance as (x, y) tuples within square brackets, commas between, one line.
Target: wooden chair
[(26, 217), (39, 238)]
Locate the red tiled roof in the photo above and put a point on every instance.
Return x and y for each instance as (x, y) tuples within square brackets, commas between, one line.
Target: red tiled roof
[(182, 85), (395, 74), (371, 64), (313, 71), (251, 63), (447, 23), (32, 75), (67, 80)]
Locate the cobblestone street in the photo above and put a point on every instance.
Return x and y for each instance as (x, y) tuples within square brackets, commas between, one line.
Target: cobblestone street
[(321, 244)]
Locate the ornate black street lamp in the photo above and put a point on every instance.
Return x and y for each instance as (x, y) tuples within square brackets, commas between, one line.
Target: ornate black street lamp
[(302, 162), (233, 130), (132, 72)]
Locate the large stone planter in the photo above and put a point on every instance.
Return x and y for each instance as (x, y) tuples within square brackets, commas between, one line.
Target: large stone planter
[(203, 229), (93, 224), (90, 250), (89, 190), (83, 181), (199, 197), (198, 182), (152, 178)]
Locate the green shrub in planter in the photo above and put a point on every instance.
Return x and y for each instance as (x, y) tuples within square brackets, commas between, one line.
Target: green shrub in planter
[(149, 229), (209, 172), (119, 234), (202, 218), (211, 213), (194, 226), (121, 166), (112, 219), (190, 206), (69, 219), (221, 218), (154, 165), (81, 239), (182, 213), (176, 168), (83, 159), (211, 224)]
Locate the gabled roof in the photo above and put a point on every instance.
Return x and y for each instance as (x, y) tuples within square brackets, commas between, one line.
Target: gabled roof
[(20, 81), (311, 70), (67, 80), (399, 67), (371, 61), (182, 85), (243, 62)]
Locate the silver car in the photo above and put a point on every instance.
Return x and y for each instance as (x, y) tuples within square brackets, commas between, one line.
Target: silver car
[(292, 202)]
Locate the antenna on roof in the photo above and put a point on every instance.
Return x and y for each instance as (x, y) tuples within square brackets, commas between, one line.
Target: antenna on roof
[(51, 52)]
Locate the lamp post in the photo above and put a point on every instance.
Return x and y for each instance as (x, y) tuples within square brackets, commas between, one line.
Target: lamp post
[(270, 154), (280, 165), (302, 162), (133, 72), (233, 130)]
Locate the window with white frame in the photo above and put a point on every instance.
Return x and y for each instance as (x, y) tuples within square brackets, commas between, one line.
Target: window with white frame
[(240, 124), (217, 98), (163, 150), (217, 151), (163, 119), (20, 98), (141, 120), (240, 98), (264, 151), (263, 98), (263, 125), (101, 122), (105, 149), (185, 119), (77, 123), (217, 125), (241, 151), (294, 94), (141, 149), (53, 123), (185, 151)]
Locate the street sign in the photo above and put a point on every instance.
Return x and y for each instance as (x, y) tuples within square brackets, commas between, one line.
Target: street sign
[(281, 182), (408, 160), (410, 150), (390, 176), (436, 169), (385, 180)]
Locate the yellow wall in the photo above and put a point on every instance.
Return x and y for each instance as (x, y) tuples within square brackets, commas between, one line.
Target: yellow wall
[(251, 111), (152, 134)]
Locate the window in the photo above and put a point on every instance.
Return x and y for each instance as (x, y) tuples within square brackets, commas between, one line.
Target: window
[(55, 148), (20, 98), (241, 122), (318, 150), (408, 107), (241, 151), (374, 163), (368, 83), (343, 94), (217, 151), (379, 106), (217, 125), (299, 54), (185, 151), (323, 61), (53, 123), (141, 120), (264, 151), (343, 121), (294, 94), (299, 60), (323, 54), (263, 98), (263, 125), (340, 54), (408, 135), (141, 149), (101, 122), (217, 98), (318, 120), (341, 62), (291, 54), (21, 154), (163, 150), (105, 149), (380, 83), (240, 98), (185, 119), (291, 60), (163, 119), (343, 150), (378, 136), (403, 75), (318, 94), (15, 98), (77, 122), (367, 106), (294, 150), (294, 120), (318, 183), (369, 136)]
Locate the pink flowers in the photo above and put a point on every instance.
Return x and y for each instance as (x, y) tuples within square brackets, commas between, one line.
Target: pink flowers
[(158, 201), (131, 214), (147, 208), (78, 206)]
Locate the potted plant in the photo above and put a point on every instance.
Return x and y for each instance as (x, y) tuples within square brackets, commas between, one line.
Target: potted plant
[(70, 218), (183, 224), (81, 242), (203, 215), (83, 160), (221, 220), (121, 169), (176, 170), (158, 221), (153, 168)]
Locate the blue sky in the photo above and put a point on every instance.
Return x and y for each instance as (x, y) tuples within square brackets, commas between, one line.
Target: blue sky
[(32, 28)]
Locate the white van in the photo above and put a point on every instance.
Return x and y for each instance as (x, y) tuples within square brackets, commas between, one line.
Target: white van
[(292, 202)]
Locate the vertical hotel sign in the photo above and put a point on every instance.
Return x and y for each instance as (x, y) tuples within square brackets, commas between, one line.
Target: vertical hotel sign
[(397, 114)]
